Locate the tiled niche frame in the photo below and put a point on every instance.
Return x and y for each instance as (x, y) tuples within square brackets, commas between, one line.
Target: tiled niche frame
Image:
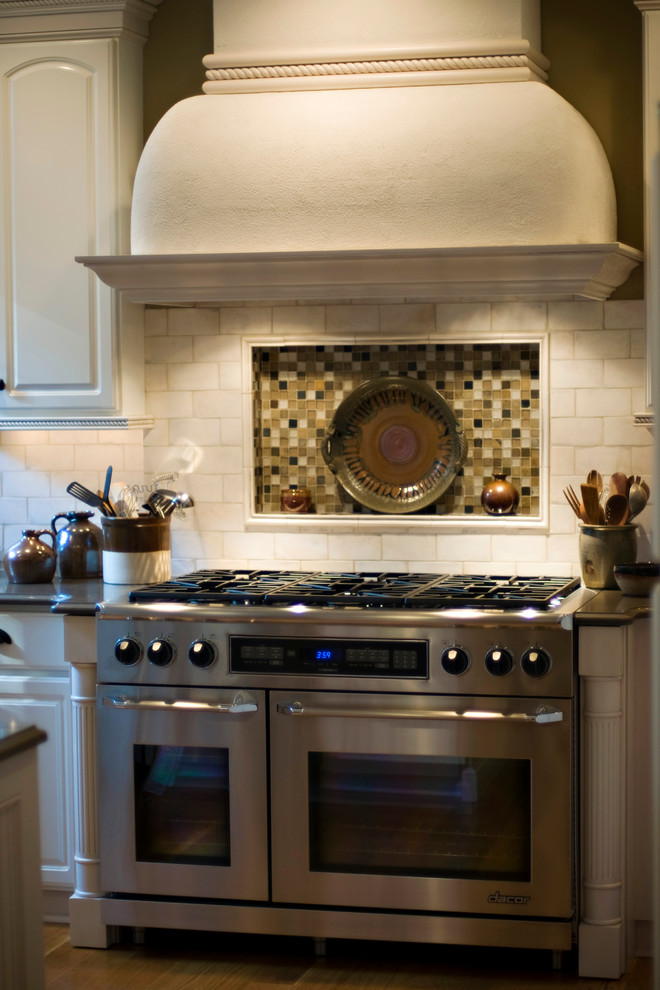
[(496, 386)]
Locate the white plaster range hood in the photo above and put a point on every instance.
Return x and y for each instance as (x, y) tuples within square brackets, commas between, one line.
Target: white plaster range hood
[(372, 149)]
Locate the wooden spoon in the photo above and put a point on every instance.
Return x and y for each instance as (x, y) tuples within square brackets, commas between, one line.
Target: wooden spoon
[(616, 510), (618, 483), (590, 502), (594, 478)]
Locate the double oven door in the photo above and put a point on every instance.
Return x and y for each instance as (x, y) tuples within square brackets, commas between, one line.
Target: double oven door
[(183, 792), (422, 803), (396, 802)]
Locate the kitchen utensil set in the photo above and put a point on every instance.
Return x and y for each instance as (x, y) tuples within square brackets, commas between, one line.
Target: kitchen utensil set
[(118, 499), (616, 505)]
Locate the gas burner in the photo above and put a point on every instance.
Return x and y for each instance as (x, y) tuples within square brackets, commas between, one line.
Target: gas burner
[(362, 590)]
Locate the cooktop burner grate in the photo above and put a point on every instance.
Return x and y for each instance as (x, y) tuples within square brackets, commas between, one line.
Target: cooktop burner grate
[(359, 590)]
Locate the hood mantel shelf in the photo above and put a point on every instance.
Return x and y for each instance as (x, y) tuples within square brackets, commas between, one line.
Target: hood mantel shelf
[(539, 272)]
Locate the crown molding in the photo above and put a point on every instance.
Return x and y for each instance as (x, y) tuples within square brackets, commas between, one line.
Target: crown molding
[(582, 271), (71, 20)]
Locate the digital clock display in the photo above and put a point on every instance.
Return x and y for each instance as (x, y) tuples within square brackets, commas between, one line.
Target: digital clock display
[(328, 656), (325, 654)]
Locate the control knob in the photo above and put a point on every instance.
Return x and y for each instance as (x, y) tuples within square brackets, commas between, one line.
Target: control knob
[(536, 662), (128, 651), (160, 653), (202, 653), (498, 662), (455, 660)]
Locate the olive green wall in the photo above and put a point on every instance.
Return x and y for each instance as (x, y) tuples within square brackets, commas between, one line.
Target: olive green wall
[(180, 35), (595, 50)]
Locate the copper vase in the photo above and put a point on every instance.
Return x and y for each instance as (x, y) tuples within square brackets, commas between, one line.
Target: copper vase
[(500, 496)]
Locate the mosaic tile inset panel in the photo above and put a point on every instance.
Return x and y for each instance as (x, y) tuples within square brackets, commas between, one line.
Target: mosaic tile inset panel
[(493, 390)]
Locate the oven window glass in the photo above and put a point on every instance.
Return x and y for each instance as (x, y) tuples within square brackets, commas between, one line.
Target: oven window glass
[(181, 804), (420, 816)]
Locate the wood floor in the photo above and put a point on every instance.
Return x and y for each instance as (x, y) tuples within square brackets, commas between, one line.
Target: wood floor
[(205, 961)]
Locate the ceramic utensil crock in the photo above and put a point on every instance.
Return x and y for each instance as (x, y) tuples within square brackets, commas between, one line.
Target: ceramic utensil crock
[(31, 561), (600, 548), (137, 550)]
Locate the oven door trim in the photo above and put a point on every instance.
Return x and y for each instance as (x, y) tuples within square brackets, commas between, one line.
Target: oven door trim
[(156, 716), (410, 725)]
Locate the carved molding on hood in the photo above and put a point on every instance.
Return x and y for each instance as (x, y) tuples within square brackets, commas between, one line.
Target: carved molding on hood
[(515, 62)]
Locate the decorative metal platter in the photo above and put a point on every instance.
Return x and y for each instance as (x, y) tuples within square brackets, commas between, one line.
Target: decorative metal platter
[(394, 444)]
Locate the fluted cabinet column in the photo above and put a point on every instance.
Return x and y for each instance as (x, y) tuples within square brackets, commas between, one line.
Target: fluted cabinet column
[(83, 706), (86, 927), (602, 941)]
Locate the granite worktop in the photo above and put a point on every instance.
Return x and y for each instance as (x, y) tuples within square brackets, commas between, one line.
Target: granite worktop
[(612, 608), (67, 597)]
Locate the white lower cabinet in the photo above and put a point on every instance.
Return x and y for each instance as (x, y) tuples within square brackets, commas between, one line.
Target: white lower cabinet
[(616, 906), (35, 687), (21, 933), (46, 703)]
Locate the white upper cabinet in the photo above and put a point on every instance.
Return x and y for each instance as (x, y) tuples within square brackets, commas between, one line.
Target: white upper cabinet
[(71, 135), (58, 325)]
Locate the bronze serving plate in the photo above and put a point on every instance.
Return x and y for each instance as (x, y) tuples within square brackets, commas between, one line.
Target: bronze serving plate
[(394, 444)]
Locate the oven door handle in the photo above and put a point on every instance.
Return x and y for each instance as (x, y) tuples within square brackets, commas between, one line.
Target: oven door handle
[(541, 716), (240, 703)]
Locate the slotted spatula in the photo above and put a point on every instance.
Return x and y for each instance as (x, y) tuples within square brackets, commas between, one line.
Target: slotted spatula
[(617, 510), (90, 498)]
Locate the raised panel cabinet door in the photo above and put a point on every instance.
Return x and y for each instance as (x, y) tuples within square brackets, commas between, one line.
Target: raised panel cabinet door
[(45, 702), (57, 180), (32, 643)]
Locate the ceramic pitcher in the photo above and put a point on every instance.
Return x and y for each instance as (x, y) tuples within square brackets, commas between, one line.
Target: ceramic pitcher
[(79, 545), (31, 561)]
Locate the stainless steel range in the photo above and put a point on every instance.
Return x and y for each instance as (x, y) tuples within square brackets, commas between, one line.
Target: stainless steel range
[(383, 756)]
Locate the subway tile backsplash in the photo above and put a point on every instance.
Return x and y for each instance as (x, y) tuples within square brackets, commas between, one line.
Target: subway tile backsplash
[(200, 372)]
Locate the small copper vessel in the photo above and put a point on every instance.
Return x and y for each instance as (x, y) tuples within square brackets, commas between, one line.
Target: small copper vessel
[(500, 496), (296, 498)]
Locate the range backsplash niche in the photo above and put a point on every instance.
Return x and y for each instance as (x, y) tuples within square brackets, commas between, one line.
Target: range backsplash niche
[(493, 390)]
